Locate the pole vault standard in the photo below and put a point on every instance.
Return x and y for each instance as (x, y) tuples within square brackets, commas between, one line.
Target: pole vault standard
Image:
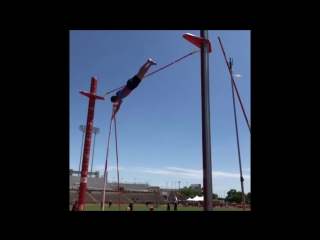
[(234, 84), (86, 153), (205, 45)]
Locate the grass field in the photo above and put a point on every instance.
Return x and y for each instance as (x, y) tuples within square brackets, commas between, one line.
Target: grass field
[(160, 208)]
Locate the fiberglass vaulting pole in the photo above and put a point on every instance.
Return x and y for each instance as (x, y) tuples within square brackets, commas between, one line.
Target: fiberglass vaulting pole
[(105, 176), (238, 144)]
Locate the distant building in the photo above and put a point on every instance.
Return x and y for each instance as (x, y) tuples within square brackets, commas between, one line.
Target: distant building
[(195, 186)]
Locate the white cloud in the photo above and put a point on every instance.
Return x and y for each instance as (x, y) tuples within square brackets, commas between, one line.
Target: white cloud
[(237, 75), (189, 173), (101, 168), (198, 173), (98, 167)]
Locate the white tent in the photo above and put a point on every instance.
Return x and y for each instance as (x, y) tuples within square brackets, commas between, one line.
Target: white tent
[(197, 198), (190, 199)]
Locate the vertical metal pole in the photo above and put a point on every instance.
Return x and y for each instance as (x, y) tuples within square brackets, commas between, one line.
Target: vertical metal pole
[(94, 139), (82, 129), (167, 190), (206, 134), (95, 131), (87, 143), (238, 144)]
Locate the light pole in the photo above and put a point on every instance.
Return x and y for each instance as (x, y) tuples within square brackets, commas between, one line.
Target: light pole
[(179, 185), (187, 184), (82, 128), (167, 191), (95, 131)]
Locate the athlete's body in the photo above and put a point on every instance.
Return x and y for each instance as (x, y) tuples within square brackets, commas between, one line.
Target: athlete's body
[(132, 83)]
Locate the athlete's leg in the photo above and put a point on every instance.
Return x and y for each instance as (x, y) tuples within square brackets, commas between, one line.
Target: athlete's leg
[(144, 69)]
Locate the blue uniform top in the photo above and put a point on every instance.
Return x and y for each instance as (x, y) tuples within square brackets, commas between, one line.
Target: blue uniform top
[(124, 92)]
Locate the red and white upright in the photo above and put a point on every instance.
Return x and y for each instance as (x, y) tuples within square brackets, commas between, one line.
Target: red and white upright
[(87, 144)]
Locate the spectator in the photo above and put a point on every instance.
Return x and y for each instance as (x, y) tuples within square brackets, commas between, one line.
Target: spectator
[(74, 206), (175, 206)]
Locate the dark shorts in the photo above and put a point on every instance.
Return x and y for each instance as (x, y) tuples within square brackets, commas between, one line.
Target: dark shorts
[(134, 82)]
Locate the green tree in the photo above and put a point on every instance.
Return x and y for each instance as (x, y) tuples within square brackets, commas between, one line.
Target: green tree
[(249, 197), (185, 191), (230, 194), (237, 197), (234, 196), (215, 196), (189, 192)]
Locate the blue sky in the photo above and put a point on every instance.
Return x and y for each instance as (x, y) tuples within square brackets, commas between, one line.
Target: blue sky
[(159, 123)]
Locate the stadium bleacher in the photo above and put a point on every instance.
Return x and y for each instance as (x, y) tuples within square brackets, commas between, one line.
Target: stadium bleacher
[(146, 197), (131, 186), (73, 195), (95, 185), (113, 196)]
